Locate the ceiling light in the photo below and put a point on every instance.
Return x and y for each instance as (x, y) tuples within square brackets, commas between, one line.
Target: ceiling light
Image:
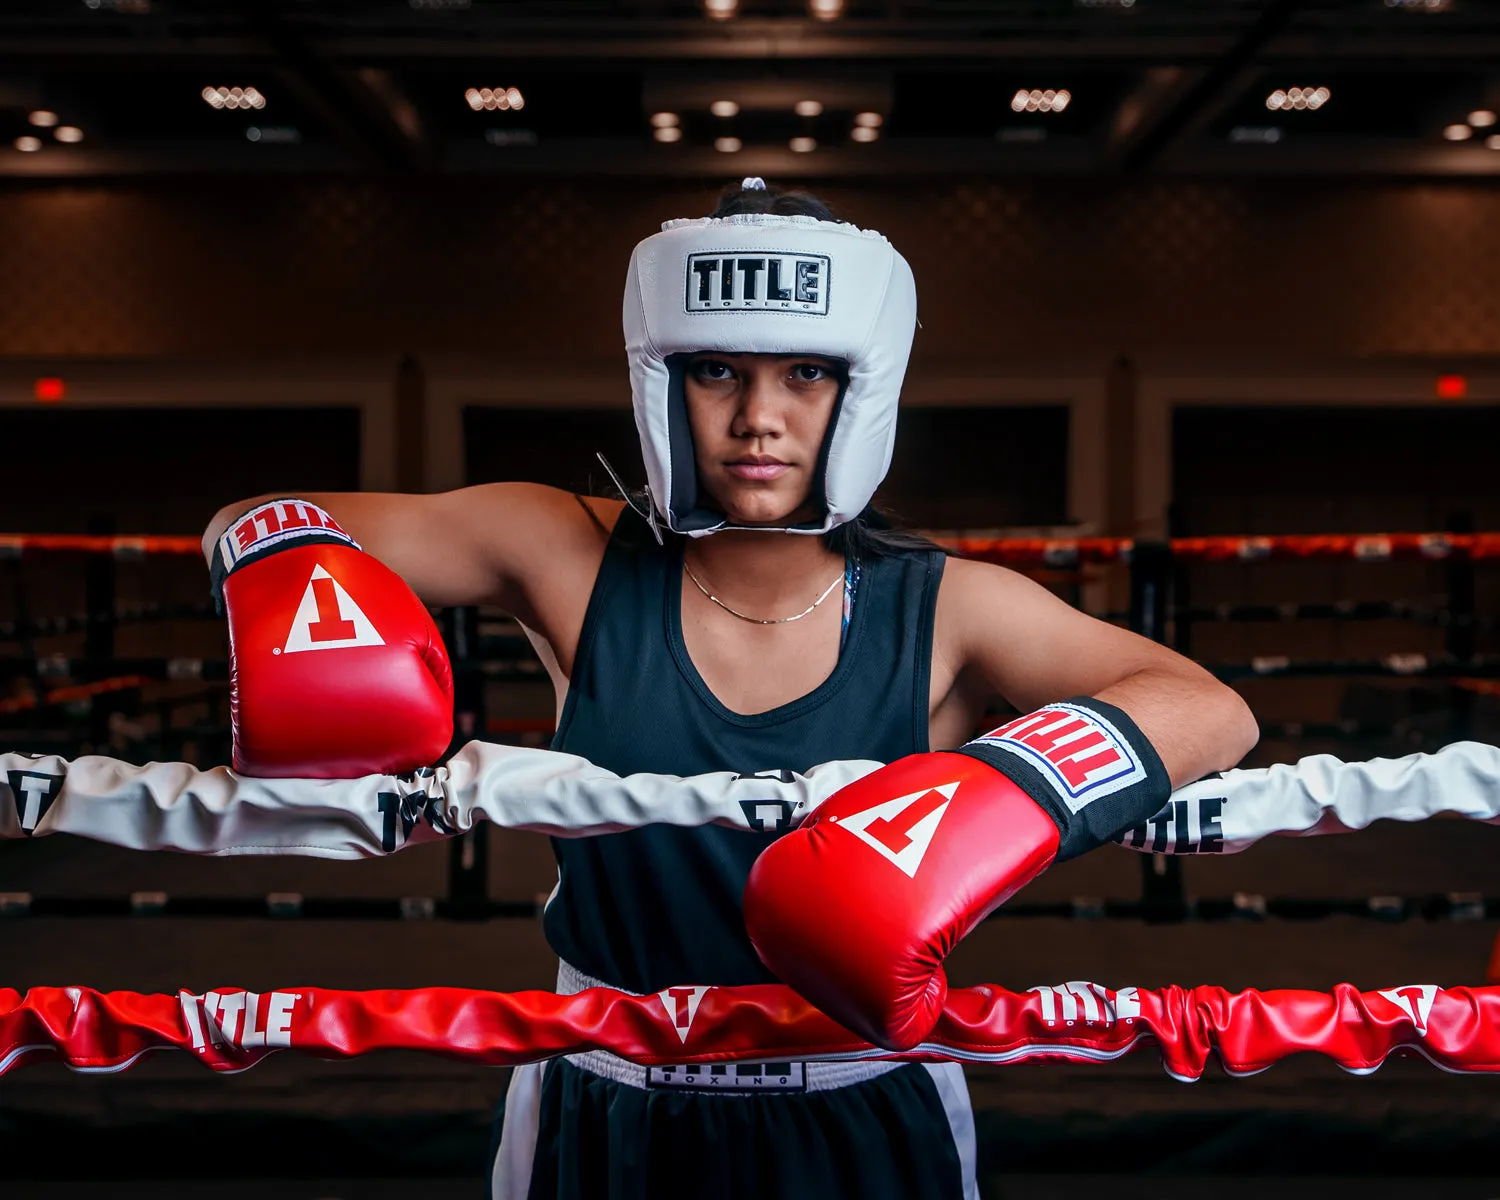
[(1298, 98), (28, 144), (664, 120), (1458, 133), (808, 108), (720, 10), (803, 145), (825, 10), (869, 120), (724, 108), (864, 133), (1493, 141), (69, 134), (1482, 118), (1039, 100), (233, 97), (495, 99), (667, 133), (727, 145), (42, 118)]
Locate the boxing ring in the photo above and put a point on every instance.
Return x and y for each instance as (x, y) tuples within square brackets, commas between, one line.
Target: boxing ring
[(83, 689), (695, 1031)]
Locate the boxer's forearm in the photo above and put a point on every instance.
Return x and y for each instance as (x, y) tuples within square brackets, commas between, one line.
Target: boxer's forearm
[(1034, 650), (1195, 723)]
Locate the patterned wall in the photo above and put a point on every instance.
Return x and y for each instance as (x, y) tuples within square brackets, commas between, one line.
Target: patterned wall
[(532, 269)]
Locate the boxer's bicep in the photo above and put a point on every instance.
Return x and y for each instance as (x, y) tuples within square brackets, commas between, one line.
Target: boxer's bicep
[(469, 546), (543, 547), (495, 543), (1033, 648)]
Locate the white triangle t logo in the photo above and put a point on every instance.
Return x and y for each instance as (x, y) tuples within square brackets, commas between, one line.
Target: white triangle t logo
[(1415, 1001), (328, 619), (903, 841), (681, 1004)]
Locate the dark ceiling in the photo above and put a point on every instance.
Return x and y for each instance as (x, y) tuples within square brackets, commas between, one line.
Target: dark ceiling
[(1176, 86)]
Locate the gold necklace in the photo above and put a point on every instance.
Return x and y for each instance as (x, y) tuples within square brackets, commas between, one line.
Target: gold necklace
[(828, 591)]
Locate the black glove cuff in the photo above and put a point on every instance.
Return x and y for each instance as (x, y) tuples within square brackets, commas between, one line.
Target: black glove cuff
[(1086, 763)]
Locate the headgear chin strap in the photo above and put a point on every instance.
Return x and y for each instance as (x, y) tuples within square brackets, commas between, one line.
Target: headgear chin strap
[(761, 284)]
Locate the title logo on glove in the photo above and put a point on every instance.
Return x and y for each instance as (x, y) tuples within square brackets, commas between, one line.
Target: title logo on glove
[(757, 281), (276, 523), (1082, 756)]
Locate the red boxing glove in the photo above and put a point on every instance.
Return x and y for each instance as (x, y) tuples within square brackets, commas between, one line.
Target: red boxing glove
[(858, 907), (336, 668)]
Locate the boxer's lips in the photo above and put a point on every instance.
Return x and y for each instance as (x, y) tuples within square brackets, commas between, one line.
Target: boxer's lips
[(757, 468)]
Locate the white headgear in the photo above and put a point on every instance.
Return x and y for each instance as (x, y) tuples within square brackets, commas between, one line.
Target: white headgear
[(762, 284)]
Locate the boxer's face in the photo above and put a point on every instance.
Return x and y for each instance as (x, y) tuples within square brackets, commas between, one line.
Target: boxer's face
[(758, 422)]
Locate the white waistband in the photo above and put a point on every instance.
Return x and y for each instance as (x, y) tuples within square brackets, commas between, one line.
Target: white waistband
[(820, 1076)]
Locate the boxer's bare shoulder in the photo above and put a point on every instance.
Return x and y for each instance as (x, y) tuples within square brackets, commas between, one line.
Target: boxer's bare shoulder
[(524, 547)]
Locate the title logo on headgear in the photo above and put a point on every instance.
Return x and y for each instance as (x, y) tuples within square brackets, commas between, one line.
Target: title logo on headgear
[(760, 281)]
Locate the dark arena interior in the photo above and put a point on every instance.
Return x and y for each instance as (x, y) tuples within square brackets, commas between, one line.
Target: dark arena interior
[(1209, 347)]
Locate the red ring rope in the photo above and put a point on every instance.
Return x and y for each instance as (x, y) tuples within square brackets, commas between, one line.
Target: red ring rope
[(1363, 547), (1457, 1029)]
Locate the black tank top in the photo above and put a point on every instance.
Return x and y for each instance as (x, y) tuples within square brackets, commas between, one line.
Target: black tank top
[(660, 906)]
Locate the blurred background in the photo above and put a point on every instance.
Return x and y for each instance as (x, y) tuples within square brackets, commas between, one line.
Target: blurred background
[(1187, 268)]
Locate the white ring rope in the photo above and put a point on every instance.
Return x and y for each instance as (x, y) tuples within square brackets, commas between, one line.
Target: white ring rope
[(175, 806)]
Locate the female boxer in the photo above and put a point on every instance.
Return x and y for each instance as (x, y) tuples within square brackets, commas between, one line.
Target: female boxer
[(748, 611)]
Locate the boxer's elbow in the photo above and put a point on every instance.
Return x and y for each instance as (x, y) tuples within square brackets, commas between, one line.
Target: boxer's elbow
[(215, 528), (1216, 725), (1236, 729)]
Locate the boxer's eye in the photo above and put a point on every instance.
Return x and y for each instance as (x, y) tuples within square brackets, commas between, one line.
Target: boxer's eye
[(711, 370), (809, 373)]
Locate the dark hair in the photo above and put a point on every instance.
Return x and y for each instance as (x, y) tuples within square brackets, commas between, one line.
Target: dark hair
[(736, 200), (874, 534)]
